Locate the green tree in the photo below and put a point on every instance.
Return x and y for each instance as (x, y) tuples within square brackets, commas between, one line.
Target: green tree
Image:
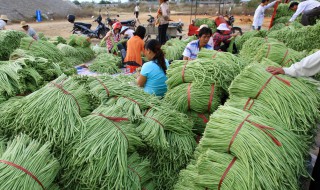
[(102, 2), (76, 2)]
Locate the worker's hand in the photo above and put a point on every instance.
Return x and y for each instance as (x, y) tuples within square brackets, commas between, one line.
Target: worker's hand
[(235, 34), (275, 70)]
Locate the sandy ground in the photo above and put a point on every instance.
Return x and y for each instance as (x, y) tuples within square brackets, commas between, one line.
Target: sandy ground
[(63, 27)]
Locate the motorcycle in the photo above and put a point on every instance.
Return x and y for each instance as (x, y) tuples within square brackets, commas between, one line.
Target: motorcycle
[(85, 29), (129, 23)]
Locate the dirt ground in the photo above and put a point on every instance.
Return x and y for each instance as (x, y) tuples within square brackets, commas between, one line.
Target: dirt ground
[(63, 27)]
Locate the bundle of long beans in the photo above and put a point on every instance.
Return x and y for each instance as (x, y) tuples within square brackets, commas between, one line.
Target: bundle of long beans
[(203, 71), (27, 164), (10, 82), (159, 119), (248, 35), (215, 170), (58, 40), (79, 40), (139, 172), (167, 163), (106, 63), (251, 47), (173, 49), (272, 153), (105, 165), (53, 113), (287, 96), (192, 96), (86, 53), (199, 121), (47, 69), (8, 111), (279, 53), (41, 49), (9, 41), (68, 51)]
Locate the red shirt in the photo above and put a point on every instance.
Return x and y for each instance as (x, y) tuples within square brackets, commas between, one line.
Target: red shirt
[(219, 38)]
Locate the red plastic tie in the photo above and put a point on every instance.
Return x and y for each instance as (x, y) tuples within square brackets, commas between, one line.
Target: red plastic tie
[(211, 97), (226, 172), (134, 171), (155, 121), (265, 84), (236, 133), (132, 100), (147, 111), (183, 70), (66, 92), (269, 47), (189, 95), (264, 129), (247, 104), (24, 170), (115, 119), (203, 117), (214, 56), (285, 55), (286, 63), (33, 40), (101, 115), (104, 86)]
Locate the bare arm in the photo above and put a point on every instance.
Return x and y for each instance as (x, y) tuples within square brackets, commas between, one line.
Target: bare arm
[(141, 81)]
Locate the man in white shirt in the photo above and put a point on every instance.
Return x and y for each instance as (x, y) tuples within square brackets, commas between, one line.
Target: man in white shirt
[(259, 13), (136, 10), (127, 32), (309, 10), (30, 31), (3, 22)]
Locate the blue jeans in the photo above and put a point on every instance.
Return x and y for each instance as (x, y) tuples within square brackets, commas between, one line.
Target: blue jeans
[(259, 28)]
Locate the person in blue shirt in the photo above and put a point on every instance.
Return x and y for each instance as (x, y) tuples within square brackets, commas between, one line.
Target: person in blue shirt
[(153, 73), (193, 48)]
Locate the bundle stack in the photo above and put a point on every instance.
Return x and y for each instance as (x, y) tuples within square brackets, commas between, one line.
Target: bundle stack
[(27, 164), (86, 53), (239, 40), (168, 134), (196, 87), (299, 39), (58, 40), (210, 22), (251, 46), (211, 171), (132, 98), (278, 53), (278, 94), (9, 41), (173, 49), (57, 119), (79, 40), (272, 154), (106, 166), (71, 54), (106, 63)]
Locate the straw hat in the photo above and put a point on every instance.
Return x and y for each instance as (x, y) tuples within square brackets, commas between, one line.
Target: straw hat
[(223, 26), (202, 26), (4, 17), (23, 24)]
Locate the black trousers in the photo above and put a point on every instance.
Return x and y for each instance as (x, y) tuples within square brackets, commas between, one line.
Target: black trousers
[(315, 185), (162, 32), (307, 16), (137, 14)]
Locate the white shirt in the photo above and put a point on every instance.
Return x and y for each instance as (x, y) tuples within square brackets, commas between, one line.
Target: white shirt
[(304, 6), (136, 8), (129, 33), (165, 13), (211, 42), (2, 24), (308, 66), (259, 14)]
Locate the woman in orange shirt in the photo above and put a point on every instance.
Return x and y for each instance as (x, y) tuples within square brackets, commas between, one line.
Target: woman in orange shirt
[(135, 46)]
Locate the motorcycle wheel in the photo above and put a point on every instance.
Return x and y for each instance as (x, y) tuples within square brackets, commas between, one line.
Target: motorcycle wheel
[(237, 29), (102, 34)]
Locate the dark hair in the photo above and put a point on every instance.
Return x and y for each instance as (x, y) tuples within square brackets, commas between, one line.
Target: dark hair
[(140, 31), (205, 30), (293, 4), (263, 1), (155, 47)]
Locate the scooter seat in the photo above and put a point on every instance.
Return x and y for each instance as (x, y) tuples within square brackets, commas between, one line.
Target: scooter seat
[(126, 22), (84, 24)]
